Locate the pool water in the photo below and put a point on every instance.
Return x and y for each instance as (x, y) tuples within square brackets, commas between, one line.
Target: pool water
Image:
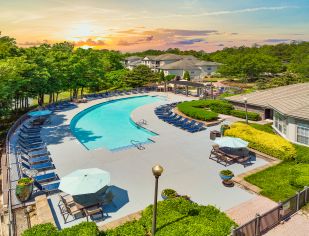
[(108, 125)]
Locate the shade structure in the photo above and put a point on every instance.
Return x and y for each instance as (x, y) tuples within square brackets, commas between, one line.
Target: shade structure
[(39, 113), (84, 181), (231, 142)]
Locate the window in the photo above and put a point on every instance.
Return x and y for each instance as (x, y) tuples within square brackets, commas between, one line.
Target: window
[(303, 133), (280, 122)]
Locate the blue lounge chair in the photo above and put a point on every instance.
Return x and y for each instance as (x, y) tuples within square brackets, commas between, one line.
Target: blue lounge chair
[(188, 125), (169, 117), (181, 122), (29, 136), (36, 160), (30, 148), (48, 188), (196, 128), (30, 131), (30, 143), (39, 167), (172, 121), (45, 177), (36, 153)]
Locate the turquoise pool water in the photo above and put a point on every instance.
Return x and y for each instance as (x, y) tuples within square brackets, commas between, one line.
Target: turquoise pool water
[(108, 125)]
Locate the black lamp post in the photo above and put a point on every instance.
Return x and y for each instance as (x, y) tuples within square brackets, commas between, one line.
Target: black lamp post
[(157, 171), (245, 100)]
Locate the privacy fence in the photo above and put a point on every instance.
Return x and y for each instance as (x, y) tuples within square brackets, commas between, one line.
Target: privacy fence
[(263, 223)]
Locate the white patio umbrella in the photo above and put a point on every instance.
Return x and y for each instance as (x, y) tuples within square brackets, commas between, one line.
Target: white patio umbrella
[(84, 181), (231, 142)]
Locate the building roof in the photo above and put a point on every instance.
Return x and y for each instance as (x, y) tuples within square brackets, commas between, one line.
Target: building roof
[(168, 57), (183, 64), (291, 100), (133, 58), (186, 83)]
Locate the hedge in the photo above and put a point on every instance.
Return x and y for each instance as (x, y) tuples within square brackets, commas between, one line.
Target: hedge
[(82, 229), (242, 114), (208, 110), (176, 216), (270, 144)]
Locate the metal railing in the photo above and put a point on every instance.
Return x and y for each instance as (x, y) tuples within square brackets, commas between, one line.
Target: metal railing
[(263, 223), (137, 144)]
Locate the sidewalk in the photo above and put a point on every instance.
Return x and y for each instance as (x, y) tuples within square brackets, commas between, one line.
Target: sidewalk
[(298, 225)]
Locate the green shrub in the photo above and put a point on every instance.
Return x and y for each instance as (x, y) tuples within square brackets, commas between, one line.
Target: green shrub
[(197, 113), (41, 230), (271, 144), (82, 229), (302, 153), (133, 228), (242, 114), (266, 127)]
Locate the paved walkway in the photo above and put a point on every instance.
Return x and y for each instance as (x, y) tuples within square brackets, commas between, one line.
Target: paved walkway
[(184, 156), (246, 211), (298, 225)]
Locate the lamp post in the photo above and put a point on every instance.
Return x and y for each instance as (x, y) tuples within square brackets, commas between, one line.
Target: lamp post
[(245, 100), (157, 171)]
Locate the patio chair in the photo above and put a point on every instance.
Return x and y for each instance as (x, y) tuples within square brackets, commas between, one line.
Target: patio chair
[(70, 209), (196, 128), (29, 140), (94, 210), (30, 147), (39, 167), (47, 188), (30, 143), (181, 122), (188, 125), (217, 155), (107, 198), (36, 153), (173, 120)]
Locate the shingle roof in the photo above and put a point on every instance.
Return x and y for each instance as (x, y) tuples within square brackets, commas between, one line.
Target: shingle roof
[(133, 58), (183, 64), (291, 100)]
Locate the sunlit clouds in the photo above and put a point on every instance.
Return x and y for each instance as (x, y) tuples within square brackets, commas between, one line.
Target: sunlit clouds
[(129, 25)]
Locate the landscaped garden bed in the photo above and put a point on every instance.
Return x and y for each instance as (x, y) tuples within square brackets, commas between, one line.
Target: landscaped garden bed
[(265, 142), (176, 216), (208, 110)]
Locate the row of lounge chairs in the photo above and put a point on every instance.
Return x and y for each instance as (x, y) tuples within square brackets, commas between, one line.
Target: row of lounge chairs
[(115, 93), (34, 156), (166, 114)]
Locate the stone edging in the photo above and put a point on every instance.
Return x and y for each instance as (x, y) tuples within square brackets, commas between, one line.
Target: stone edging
[(121, 221)]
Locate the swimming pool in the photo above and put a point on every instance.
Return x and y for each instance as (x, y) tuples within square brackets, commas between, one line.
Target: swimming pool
[(108, 125)]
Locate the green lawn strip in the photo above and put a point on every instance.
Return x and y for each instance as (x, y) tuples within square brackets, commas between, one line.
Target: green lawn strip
[(283, 180), (266, 127)]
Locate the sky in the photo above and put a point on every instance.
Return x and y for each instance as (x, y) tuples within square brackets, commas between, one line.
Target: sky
[(135, 25)]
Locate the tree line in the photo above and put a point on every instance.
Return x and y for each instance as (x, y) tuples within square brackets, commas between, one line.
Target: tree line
[(35, 72)]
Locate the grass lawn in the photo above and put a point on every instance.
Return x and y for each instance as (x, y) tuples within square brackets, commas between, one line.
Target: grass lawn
[(283, 180), (266, 128)]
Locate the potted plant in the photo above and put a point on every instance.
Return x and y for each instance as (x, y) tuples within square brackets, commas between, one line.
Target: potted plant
[(168, 193), (226, 176), (24, 189)]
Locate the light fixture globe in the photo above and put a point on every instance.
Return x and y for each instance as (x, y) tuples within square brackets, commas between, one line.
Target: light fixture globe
[(157, 170), (245, 99)]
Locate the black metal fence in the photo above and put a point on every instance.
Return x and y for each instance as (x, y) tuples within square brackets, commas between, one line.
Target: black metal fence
[(263, 223)]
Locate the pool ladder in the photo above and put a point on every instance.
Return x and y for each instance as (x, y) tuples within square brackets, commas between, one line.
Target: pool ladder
[(137, 144), (142, 122)]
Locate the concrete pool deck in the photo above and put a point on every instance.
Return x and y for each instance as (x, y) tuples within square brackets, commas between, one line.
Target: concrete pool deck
[(184, 156)]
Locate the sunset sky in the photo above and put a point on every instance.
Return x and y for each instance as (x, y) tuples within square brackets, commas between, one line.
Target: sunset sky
[(134, 25)]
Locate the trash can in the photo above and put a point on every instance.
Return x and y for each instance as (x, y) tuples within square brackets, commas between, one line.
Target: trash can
[(214, 134)]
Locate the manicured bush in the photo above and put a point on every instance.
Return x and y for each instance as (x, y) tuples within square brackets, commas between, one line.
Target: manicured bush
[(208, 110), (227, 173), (82, 229), (270, 144), (41, 230), (302, 154), (178, 216), (242, 114)]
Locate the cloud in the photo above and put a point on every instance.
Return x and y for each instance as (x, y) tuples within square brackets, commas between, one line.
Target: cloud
[(146, 39), (32, 43), (276, 40), (90, 42), (190, 41)]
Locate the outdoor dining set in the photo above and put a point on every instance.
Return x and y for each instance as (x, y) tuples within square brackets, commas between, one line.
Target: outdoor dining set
[(228, 150)]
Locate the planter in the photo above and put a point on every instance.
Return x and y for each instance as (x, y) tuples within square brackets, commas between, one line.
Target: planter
[(168, 193), (226, 176), (24, 189)]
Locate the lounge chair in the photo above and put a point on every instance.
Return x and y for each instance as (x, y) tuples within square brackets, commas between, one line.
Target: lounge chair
[(45, 177), (217, 155), (37, 153), (30, 142), (39, 139), (31, 147), (39, 167), (36, 160), (174, 120), (30, 130), (29, 136), (47, 188), (93, 210), (196, 128), (181, 122)]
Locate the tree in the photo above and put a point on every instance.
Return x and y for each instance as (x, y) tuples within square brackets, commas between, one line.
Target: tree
[(140, 76), (186, 76)]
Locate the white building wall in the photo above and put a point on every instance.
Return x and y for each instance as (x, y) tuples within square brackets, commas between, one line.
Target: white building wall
[(209, 69)]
